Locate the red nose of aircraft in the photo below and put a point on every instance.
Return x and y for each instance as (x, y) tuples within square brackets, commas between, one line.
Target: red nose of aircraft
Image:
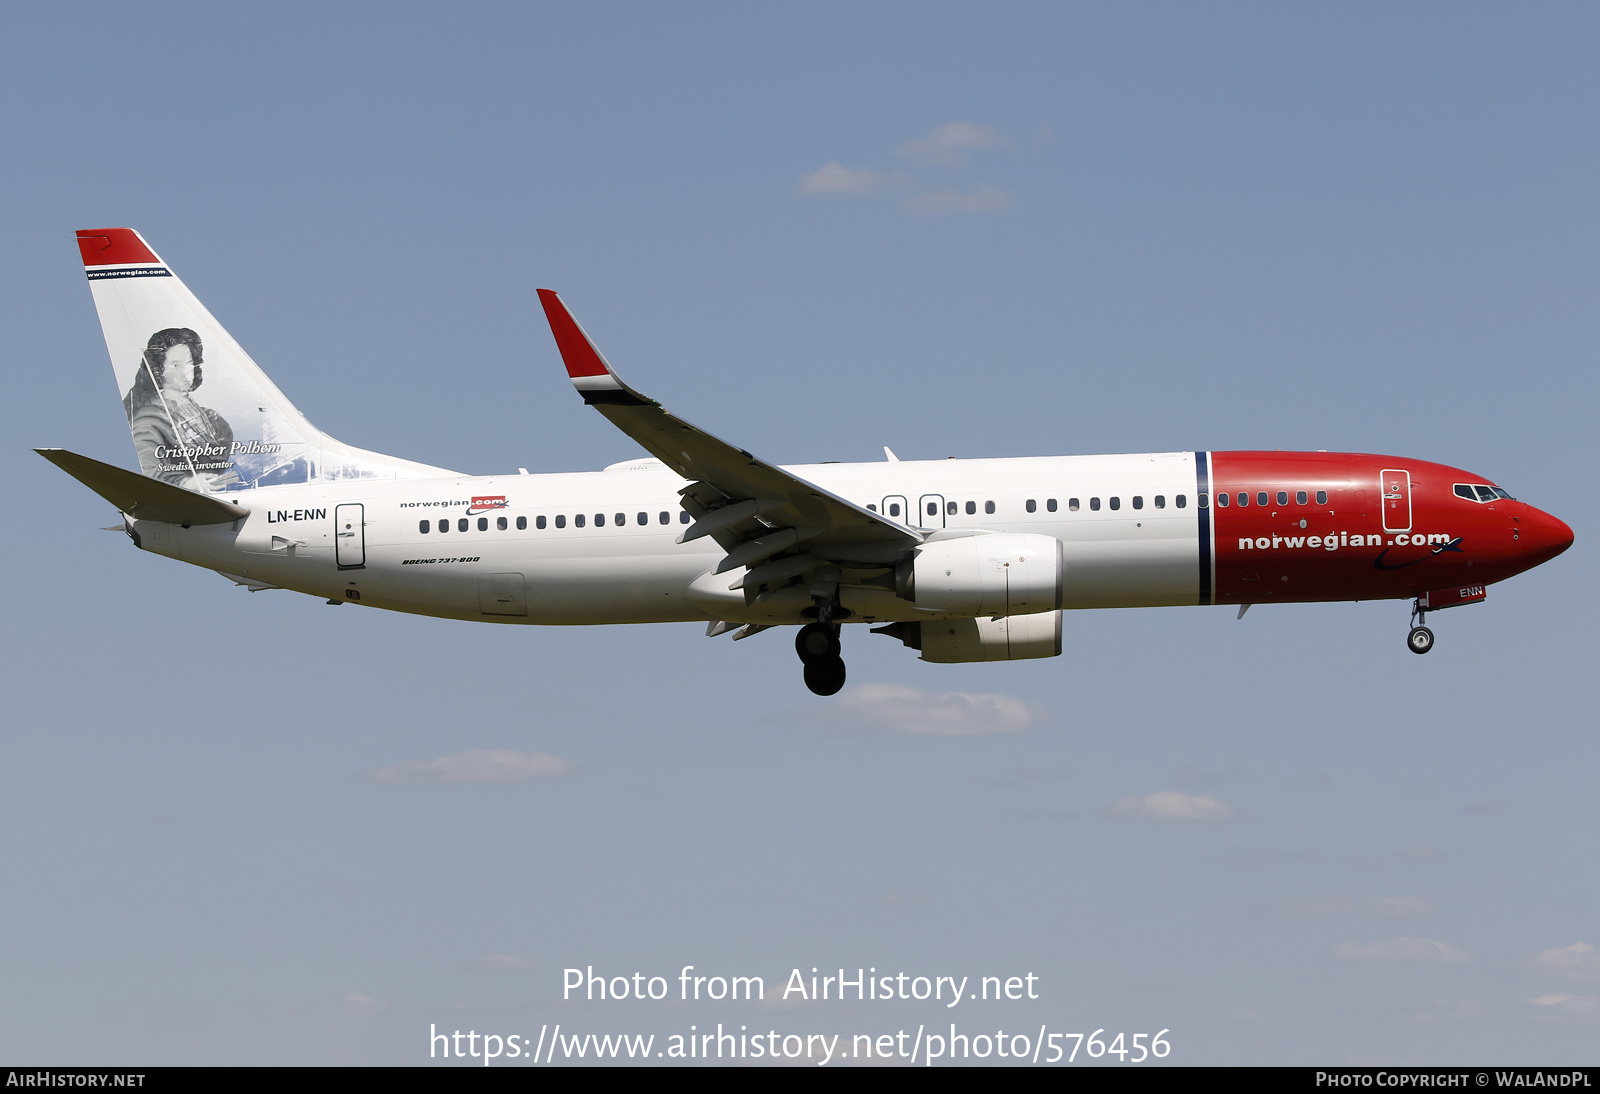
[(1543, 537)]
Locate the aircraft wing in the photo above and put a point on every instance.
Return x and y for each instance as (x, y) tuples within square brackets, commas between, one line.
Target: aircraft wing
[(754, 510), (141, 497)]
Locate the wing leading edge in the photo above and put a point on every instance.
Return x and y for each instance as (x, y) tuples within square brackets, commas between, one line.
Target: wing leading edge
[(777, 524)]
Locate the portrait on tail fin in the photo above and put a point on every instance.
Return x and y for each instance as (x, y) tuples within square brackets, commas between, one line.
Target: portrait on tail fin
[(178, 440)]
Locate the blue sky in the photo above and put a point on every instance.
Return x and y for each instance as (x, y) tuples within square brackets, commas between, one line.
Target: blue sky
[(1031, 230)]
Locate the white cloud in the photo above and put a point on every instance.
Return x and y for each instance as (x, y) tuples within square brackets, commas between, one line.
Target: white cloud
[(1446, 1010), (1579, 961), (501, 962), (1415, 951), (836, 178), (1418, 854), (1394, 907), (950, 144), (1173, 805), (1562, 1005), (934, 714), (478, 766), (362, 1006), (985, 199)]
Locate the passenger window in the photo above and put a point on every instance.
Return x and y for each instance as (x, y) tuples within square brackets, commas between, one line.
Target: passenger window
[(1222, 500), (683, 517), (873, 506), (988, 507), (1261, 497), (1182, 500), (1283, 497), (444, 526), (894, 509), (500, 523), (1138, 502), (1161, 501), (644, 518), (461, 525), (1094, 505), (933, 508), (1322, 497), (425, 527), (1072, 505), (949, 508), (972, 507), (666, 517), (599, 520), (1244, 499), (1050, 504), (1032, 506), (621, 520), (561, 520), (1116, 503), (483, 523), (578, 521), (1300, 497), (522, 523)]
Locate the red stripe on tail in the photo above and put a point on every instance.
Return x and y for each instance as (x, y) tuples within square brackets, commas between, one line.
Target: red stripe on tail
[(114, 247)]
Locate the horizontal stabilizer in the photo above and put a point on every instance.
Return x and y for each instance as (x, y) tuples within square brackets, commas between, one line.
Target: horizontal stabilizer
[(144, 498)]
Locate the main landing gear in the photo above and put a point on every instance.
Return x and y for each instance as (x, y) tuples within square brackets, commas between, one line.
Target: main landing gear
[(818, 647), (1420, 640)]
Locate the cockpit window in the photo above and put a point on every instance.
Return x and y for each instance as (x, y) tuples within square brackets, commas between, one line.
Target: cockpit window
[(1481, 492)]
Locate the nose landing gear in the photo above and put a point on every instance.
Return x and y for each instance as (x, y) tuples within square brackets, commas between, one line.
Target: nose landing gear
[(1420, 638), (818, 647)]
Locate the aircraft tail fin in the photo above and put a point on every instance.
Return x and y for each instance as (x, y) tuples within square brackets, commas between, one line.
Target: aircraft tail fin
[(202, 413)]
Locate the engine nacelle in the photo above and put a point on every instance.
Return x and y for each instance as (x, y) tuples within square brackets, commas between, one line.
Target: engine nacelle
[(1013, 638), (1000, 574)]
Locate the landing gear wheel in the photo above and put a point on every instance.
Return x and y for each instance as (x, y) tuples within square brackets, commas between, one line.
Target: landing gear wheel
[(818, 643), (825, 677), (1420, 640)]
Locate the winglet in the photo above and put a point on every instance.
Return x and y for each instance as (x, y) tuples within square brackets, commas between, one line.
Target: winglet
[(591, 375)]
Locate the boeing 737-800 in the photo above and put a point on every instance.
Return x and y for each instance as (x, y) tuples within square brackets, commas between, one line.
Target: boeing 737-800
[(963, 560)]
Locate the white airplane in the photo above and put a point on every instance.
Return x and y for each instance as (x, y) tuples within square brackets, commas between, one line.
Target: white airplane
[(963, 560)]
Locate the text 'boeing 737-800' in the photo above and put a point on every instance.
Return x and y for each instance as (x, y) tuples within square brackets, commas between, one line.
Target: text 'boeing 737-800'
[(963, 560)]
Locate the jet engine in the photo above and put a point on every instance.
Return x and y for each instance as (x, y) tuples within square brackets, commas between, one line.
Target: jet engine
[(999, 574), (1012, 638)]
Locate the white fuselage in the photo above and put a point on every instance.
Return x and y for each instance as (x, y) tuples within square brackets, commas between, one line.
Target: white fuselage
[(624, 564)]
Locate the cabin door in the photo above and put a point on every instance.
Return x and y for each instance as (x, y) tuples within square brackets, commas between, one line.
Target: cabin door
[(1395, 491), (349, 536)]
